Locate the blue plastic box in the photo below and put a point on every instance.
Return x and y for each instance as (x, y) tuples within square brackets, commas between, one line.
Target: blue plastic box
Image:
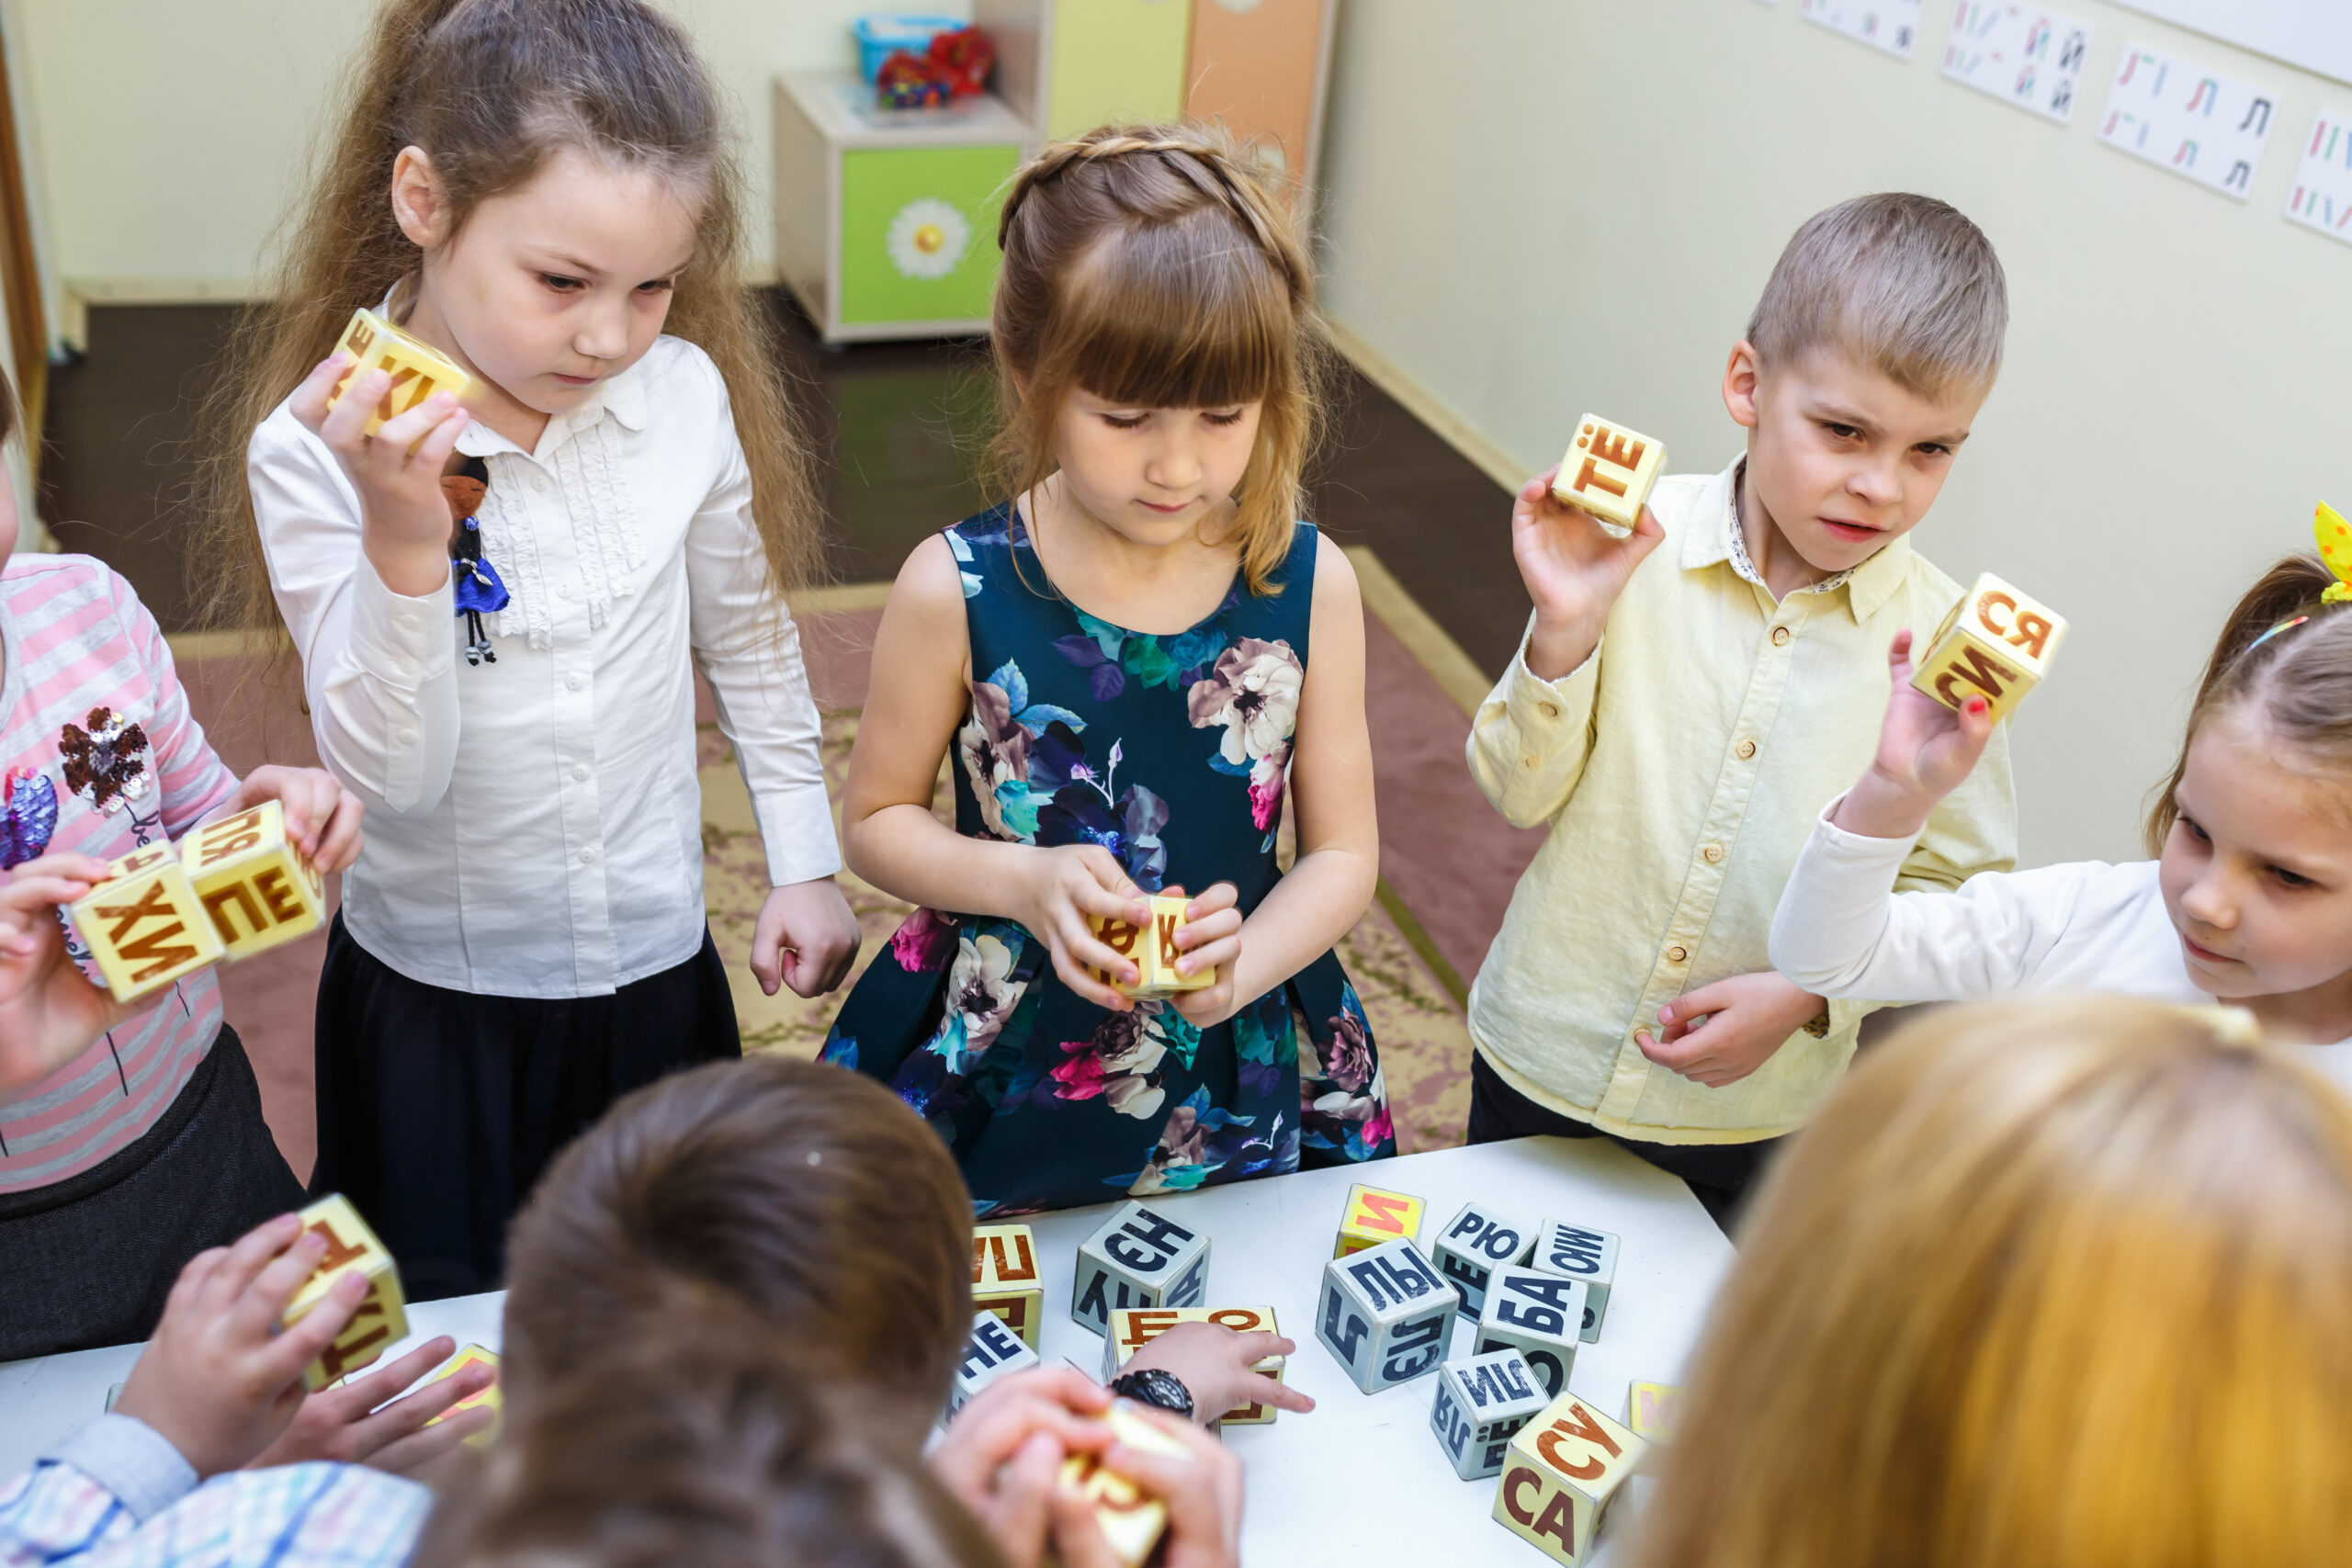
[(879, 36)]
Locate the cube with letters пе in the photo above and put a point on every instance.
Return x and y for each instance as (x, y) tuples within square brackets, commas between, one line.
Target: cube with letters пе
[(1374, 1216), (418, 369), (488, 1399), (1996, 644), (1652, 1409), (381, 1318), (1608, 472), (1473, 1245), (1538, 1314), (1575, 1253), (1153, 953), (992, 1352), (1131, 1520), (143, 924), (1480, 1405), (258, 889), (1139, 1259), (1560, 1475), (1386, 1316), (1006, 1280), (1132, 1328)]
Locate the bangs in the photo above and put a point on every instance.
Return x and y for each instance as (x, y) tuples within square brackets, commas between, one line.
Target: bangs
[(1188, 314)]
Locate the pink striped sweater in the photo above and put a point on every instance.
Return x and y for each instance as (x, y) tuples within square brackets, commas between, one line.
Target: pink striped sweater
[(77, 641)]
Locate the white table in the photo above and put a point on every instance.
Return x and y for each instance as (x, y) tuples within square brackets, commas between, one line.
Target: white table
[(1269, 1241)]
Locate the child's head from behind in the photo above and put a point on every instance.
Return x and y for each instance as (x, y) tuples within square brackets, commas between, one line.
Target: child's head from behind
[(1877, 339), (1153, 330), (2056, 1282), (802, 1196)]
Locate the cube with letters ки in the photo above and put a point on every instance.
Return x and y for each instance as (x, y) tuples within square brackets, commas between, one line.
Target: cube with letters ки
[(992, 1352), (1386, 1316), (144, 924), (1537, 1314), (1473, 1245), (1996, 644), (1153, 953), (1374, 1216), (257, 888), (1609, 471), (418, 369), (1575, 1253), (1480, 1403), (472, 1356), (1005, 1280), (1131, 1521), (380, 1319), (1139, 1259), (1560, 1475), (1132, 1328)]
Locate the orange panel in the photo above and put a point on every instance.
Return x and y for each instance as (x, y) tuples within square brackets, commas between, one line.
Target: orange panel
[(1253, 68)]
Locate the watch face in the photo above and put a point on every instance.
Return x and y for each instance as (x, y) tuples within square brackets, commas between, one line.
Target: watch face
[(1152, 1386)]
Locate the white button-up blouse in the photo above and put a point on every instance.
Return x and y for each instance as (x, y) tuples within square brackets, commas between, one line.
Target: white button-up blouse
[(535, 824)]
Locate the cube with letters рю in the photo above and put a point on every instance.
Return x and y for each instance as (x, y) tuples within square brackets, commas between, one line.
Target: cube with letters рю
[(993, 1351), (1131, 1520), (1561, 1473), (1139, 1259), (1474, 1243), (1996, 644), (381, 1319), (1575, 1252), (143, 924), (1481, 1403), (1006, 1280), (1374, 1216), (1154, 952), (1132, 1328), (417, 369), (1609, 471), (1539, 1315), (1384, 1314)]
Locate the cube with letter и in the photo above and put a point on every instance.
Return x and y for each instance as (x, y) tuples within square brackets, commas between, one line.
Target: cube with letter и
[(1374, 1216), (1385, 1315), (1573, 1252), (993, 1351), (1538, 1316), (256, 888), (1005, 1278), (1560, 1475), (1474, 1243), (381, 1319), (1481, 1403), (1996, 644), (1139, 1259), (143, 924)]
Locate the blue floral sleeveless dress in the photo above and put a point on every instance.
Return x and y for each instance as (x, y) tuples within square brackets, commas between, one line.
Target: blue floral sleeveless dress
[(1172, 753)]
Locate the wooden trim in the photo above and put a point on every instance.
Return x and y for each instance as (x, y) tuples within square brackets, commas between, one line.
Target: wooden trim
[(838, 596), (1456, 432), (1454, 671), (20, 276)]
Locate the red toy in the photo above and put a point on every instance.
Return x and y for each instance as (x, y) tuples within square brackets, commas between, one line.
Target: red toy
[(956, 66)]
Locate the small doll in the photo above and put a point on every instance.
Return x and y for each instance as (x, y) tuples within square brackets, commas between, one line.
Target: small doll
[(480, 590)]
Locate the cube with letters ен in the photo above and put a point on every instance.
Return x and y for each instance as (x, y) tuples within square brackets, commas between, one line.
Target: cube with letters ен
[(257, 887), (1131, 1520), (1609, 471), (1374, 1216), (1386, 1316), (1473, 1245), (417, 369), (992, 1352), (1575, 1253), (1132, 1328), (472, 1356), (1535, 1313), (1996, 644), (1480, 1405), (381, 1319), (1005, 1279), (143, 924), (1139, 1259), (1560, 1475)]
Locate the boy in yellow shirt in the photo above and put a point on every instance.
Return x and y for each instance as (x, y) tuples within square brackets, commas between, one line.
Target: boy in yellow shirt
[(1680, 716)]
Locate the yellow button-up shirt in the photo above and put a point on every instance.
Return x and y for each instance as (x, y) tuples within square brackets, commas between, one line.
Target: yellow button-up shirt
[(1681, 769)]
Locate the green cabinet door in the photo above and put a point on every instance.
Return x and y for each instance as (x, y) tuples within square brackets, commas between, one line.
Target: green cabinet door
[(919, 231), (1117, 62)]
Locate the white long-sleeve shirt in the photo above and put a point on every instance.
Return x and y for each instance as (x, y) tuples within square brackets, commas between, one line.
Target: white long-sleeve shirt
[(535, 826)]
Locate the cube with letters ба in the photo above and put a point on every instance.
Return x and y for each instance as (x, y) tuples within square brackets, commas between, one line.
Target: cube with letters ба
[(1005, 1278), (417, 369), (1575, 1253), (1537, 1314), (257, 888), (1132, 1521), (1609, 471), (488, 1399), (1374, 1216), (143, 925), (1473, 1245), (1132, 1328), (1154, 952), (993, 1351), (381, 1318), (1139, 1259), (1480, 1405), (1560, 1475), (1386, 1316), (1996, 644)]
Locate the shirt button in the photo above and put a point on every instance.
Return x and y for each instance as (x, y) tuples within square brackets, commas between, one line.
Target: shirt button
[(408, 736), (1550, 710), (1747, 750), (587, 857), (1676, 954), (563, 591), (1779, 637), (1530, 764), (1714, 854), (572, 682), (539, 483), (581, 773)]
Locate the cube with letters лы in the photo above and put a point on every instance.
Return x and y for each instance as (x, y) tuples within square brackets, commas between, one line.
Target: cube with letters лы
[(381, 1319), (418, 369), (1132, 1328), (488, 1399), (1652, 1409), (993, 1351), (1474, 1243), (1132, 1520), (1139, 1259), (1607, 471), (1154, 952), (1006, 1280), (1385, 1315), (1996, 644), (1374, 1216), (1481, 1403), (143, 924), (1537, 1314), (1575, 1252), (255, 887), (1560, 1475)]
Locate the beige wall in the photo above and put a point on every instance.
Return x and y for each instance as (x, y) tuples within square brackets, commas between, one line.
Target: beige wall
[(1573, 204)]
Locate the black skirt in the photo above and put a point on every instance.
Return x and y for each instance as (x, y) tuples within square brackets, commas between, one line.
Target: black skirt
[(439, 1109), (89, 1261)]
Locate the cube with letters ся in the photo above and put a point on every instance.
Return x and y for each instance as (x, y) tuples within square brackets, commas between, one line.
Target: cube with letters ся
[(1154, 952), (1480, 1405), (381, 1319), (1374, 1216), (1005, 1278), (473, 1356), (1132, 1328), (1474, 1243), (1139, 1259), (1996, 644), (993, 1351), (1560, 1475), (1609, 471), (417, 369), (257, 888), (1131, 1520), (144, 924), (1386, 1316), (1538, 1314), (1575, 1253)]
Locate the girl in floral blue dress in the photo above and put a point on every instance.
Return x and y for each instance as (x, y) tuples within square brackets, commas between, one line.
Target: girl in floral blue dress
[(1127, 666)]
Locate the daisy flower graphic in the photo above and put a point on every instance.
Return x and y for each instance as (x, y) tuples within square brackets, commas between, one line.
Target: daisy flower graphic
[(927, 238)]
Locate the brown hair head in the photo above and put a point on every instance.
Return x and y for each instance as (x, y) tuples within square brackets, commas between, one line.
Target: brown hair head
[(1155, 267), (2044, 1284), (489, 90), (808, 1196)]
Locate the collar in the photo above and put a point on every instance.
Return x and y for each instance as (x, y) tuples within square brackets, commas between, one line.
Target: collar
[(622, 396), (1714, 515)]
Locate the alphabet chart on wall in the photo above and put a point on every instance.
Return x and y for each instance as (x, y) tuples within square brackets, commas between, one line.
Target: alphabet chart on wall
[(1889, 24), (2179, 116), (2020, 54), (2322, 196)]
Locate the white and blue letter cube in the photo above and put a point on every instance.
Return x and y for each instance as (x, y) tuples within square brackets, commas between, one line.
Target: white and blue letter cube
[(1481, 1403), (1535, 1313), (994, 1351), (1575, 1253), (1472, 1243), (1139, 1259), (1386, 1316)]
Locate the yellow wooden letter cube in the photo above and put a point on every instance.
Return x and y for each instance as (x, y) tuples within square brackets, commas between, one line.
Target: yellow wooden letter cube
[(1652, 1409), (1609, 471), (488, 1399), (144, 924), (1562, 1471), (1006, 1280), (1374, 1216), (381, 1319), (1132, 1328), (1154, 952), (256, 887), (418, 369), (1996, 644), (1131, 1522)]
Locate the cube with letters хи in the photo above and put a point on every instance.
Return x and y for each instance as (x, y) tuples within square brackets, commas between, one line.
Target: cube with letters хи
[(418, 369), (1132, 1328), (1575, 1253), (1537, 1314), (257, 887), (1386, 1316), (1374, 1216), (1996, 644), (144, 924), (992, 1352), (1607, 471), (1473, 1245), (1480, 1405), (1560, 1475), (1006, 1280), (1139, 1259), (380, 1320)]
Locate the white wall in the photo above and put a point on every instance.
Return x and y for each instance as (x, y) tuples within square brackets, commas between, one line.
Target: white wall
[(1573, 204)]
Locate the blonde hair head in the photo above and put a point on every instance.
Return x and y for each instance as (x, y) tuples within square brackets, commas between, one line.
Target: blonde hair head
[(2043, 1284)]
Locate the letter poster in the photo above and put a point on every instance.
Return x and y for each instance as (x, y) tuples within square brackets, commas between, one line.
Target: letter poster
[(1889, 24), (2179, 116), (2019, 54), (2322, 196)]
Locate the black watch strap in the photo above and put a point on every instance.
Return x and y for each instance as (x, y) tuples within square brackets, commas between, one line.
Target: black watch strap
[(1150, 1385)]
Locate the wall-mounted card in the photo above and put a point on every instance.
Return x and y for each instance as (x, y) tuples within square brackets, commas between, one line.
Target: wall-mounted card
[(1889, 24), (2321, 197), (2182, 117), (2020, 54)]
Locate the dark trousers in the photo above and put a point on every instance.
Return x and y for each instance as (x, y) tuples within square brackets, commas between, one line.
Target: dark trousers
[(1719, 1175), (439, 1110)]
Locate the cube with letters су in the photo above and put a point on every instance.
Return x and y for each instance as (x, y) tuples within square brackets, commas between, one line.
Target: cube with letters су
[(1560, 1475)]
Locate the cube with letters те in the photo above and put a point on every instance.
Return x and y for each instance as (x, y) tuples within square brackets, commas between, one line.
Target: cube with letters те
[(1996, 644), (1474, 1243), (473, 1356), (1480, 1405), (1384, 1314), (381, 1319), (1374, 1216), (418, 369), (1560, 1475), (1573, 1252), (1609, 471), (993, 1351), (1538, 1314), (1006, 1280), (257, 888), (1132, 1328), (1131, 1520), (1139, 1259), (143, 924), (1154, 952)]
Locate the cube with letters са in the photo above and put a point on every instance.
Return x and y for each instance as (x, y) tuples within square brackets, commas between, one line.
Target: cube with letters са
[(1374, 1216), (1473, 1245), (488, 1399), (145, 925), (381, 1318), (1132, 1520), (1609, 471), (1139, 1259), (417, 369), (1573, 1252), (1538, 1314), (1154, 952), (1481, 1403), (1996, 644), (1132, 1328), (993, 1351), (255, 887), (1560, 1475), (1005, 1278), (1386, 1316)]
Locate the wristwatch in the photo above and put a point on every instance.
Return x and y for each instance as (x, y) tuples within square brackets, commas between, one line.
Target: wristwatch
[(1161, 1390)]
